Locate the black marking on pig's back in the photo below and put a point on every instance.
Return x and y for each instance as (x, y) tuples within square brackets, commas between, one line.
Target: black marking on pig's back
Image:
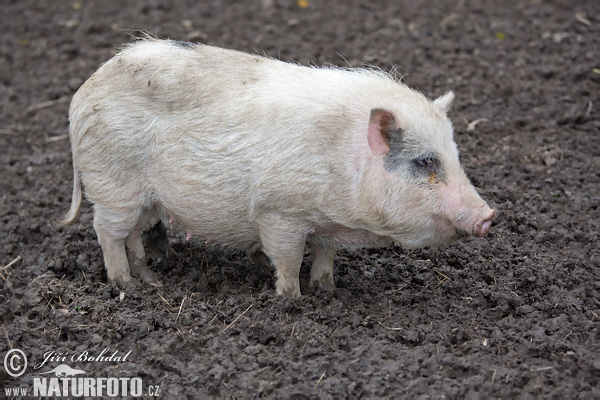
[(184, 45)]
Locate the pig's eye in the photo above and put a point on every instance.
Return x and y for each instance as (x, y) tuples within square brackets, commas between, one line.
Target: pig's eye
[(427, 163)]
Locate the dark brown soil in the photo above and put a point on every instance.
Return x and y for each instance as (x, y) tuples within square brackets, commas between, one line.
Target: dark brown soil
[(513, 315)]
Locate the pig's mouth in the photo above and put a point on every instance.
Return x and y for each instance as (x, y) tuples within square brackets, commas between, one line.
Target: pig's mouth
[(460, 233), (440, 230)]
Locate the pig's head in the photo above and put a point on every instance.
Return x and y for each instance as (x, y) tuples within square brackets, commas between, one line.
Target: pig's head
[(417, 192)]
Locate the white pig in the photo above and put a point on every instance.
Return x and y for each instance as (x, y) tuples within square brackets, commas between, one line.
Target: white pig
[(255, 153)]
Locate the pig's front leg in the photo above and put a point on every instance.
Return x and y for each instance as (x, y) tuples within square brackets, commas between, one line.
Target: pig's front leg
[(321, 272), (283, 242)]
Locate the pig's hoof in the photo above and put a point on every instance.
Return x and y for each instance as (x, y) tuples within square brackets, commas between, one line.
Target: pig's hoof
[(324, 283), (145, 274), (318, 287), (289, 292), (127, 282)]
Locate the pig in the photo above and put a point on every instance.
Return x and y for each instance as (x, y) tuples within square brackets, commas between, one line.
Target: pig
[(259, 154)]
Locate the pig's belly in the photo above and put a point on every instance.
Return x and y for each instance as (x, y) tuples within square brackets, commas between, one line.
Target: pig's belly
[(208, 210), (341, 236)]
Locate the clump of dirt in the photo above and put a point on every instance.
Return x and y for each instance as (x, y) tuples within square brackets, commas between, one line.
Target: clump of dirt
[(515, 314)]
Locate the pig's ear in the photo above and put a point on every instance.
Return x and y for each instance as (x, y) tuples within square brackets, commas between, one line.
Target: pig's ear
[(381, 125), (444, 102)]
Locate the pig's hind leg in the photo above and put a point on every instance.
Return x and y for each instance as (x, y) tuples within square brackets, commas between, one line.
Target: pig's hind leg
[(135, 248), (112, 228), (321, 271)]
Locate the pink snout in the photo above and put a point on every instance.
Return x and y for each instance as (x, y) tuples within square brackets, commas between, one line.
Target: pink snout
[(483, 225)]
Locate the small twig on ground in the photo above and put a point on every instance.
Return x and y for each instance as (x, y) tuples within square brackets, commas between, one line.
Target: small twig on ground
[(7, 132), (320, 379), (390, 329), (262, 369), (235, 320), (180, 307), (442, 275), (48, 304), (293, 328), (533, 197), (165, 300), (4, 273), (493, 377), (448, 20), (442, 280), (57, 138), (46, 104), (83, 327), (304, 345), (471, 125), (568, 334), (397, 290), (580, 17), (10, 264)]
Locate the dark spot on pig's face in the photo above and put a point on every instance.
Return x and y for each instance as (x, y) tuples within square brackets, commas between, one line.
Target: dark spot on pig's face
[(394, 159), (426, 166)]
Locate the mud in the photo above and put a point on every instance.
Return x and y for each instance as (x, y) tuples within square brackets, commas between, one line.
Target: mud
[(513, 315)]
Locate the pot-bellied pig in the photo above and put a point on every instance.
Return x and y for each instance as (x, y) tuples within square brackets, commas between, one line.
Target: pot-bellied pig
[(256, 153)]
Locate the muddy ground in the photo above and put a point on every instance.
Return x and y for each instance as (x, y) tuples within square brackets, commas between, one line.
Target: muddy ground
[(513, 315)]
